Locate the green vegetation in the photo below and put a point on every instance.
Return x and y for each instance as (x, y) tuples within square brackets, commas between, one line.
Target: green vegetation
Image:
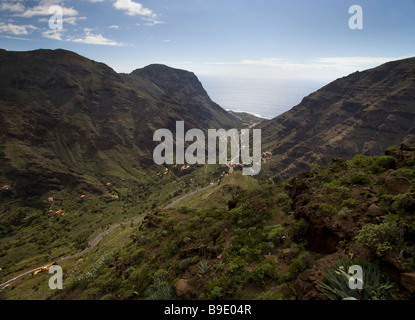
[(381, 237), (246, 238), (76, 160)]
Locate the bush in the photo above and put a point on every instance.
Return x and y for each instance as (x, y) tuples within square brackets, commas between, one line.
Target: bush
[(326, 209), (335, 186), (349, 203), (381, 237), (299, 264), (359, 179), (276, 233), (362, 161), (400, 201), (216, 293), (262, 271), (407, 173), (287, 205), (386, 162)]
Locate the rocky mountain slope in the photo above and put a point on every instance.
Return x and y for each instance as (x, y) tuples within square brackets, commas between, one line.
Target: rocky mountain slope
[(69, 122), (242, 240), (365, 112)]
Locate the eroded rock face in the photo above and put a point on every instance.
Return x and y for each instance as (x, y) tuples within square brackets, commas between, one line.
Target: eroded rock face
[(361, 113), (60, 112), (408, 281), (322, 239), (397, 185), (306, 285)]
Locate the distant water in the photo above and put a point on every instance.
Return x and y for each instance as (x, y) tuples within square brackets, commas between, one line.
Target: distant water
[(265, 98)]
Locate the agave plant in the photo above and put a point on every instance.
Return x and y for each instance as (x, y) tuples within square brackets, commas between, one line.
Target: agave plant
[(203, 267), (335, 285), (160, 290)]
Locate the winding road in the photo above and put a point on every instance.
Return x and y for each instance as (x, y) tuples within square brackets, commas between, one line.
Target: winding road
[(97, 239)]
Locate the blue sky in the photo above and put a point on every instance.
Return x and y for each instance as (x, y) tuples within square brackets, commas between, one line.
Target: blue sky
[(243, 38)]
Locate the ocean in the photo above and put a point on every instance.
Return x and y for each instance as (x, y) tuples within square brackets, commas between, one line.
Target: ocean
[(264, 98)]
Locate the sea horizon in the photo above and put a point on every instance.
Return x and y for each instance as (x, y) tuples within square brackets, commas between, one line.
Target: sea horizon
[(265, 98)]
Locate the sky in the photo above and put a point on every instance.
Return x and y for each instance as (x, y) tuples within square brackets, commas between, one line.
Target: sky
[(296, 39)]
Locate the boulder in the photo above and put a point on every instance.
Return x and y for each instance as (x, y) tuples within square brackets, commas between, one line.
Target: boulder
[(182, 288), (374, 210)]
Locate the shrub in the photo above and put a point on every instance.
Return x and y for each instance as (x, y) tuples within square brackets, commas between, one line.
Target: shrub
[(404, 173), (359, 179), (299, 264), (137, 256), (287, 205), (276, 233), (399, 201), (262, 271), (362, 161), (280, 197), (243, 252), (335, 186), (216, 293), (326, 209), (393, 148), (381, 237), (386, 162), (349, 203)]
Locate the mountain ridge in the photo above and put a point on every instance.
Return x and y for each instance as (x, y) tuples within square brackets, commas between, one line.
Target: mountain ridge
[(82, 115), (364, 112)]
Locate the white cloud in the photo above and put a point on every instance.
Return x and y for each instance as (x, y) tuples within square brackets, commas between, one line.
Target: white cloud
[(96, 39), (12, 6), (114, 27), (73, 20), (356, 61), (16, 29), (153, 23), (42, 9), (324, 68), (53, 34), (132, 8), (16, 38), (318, 63)]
